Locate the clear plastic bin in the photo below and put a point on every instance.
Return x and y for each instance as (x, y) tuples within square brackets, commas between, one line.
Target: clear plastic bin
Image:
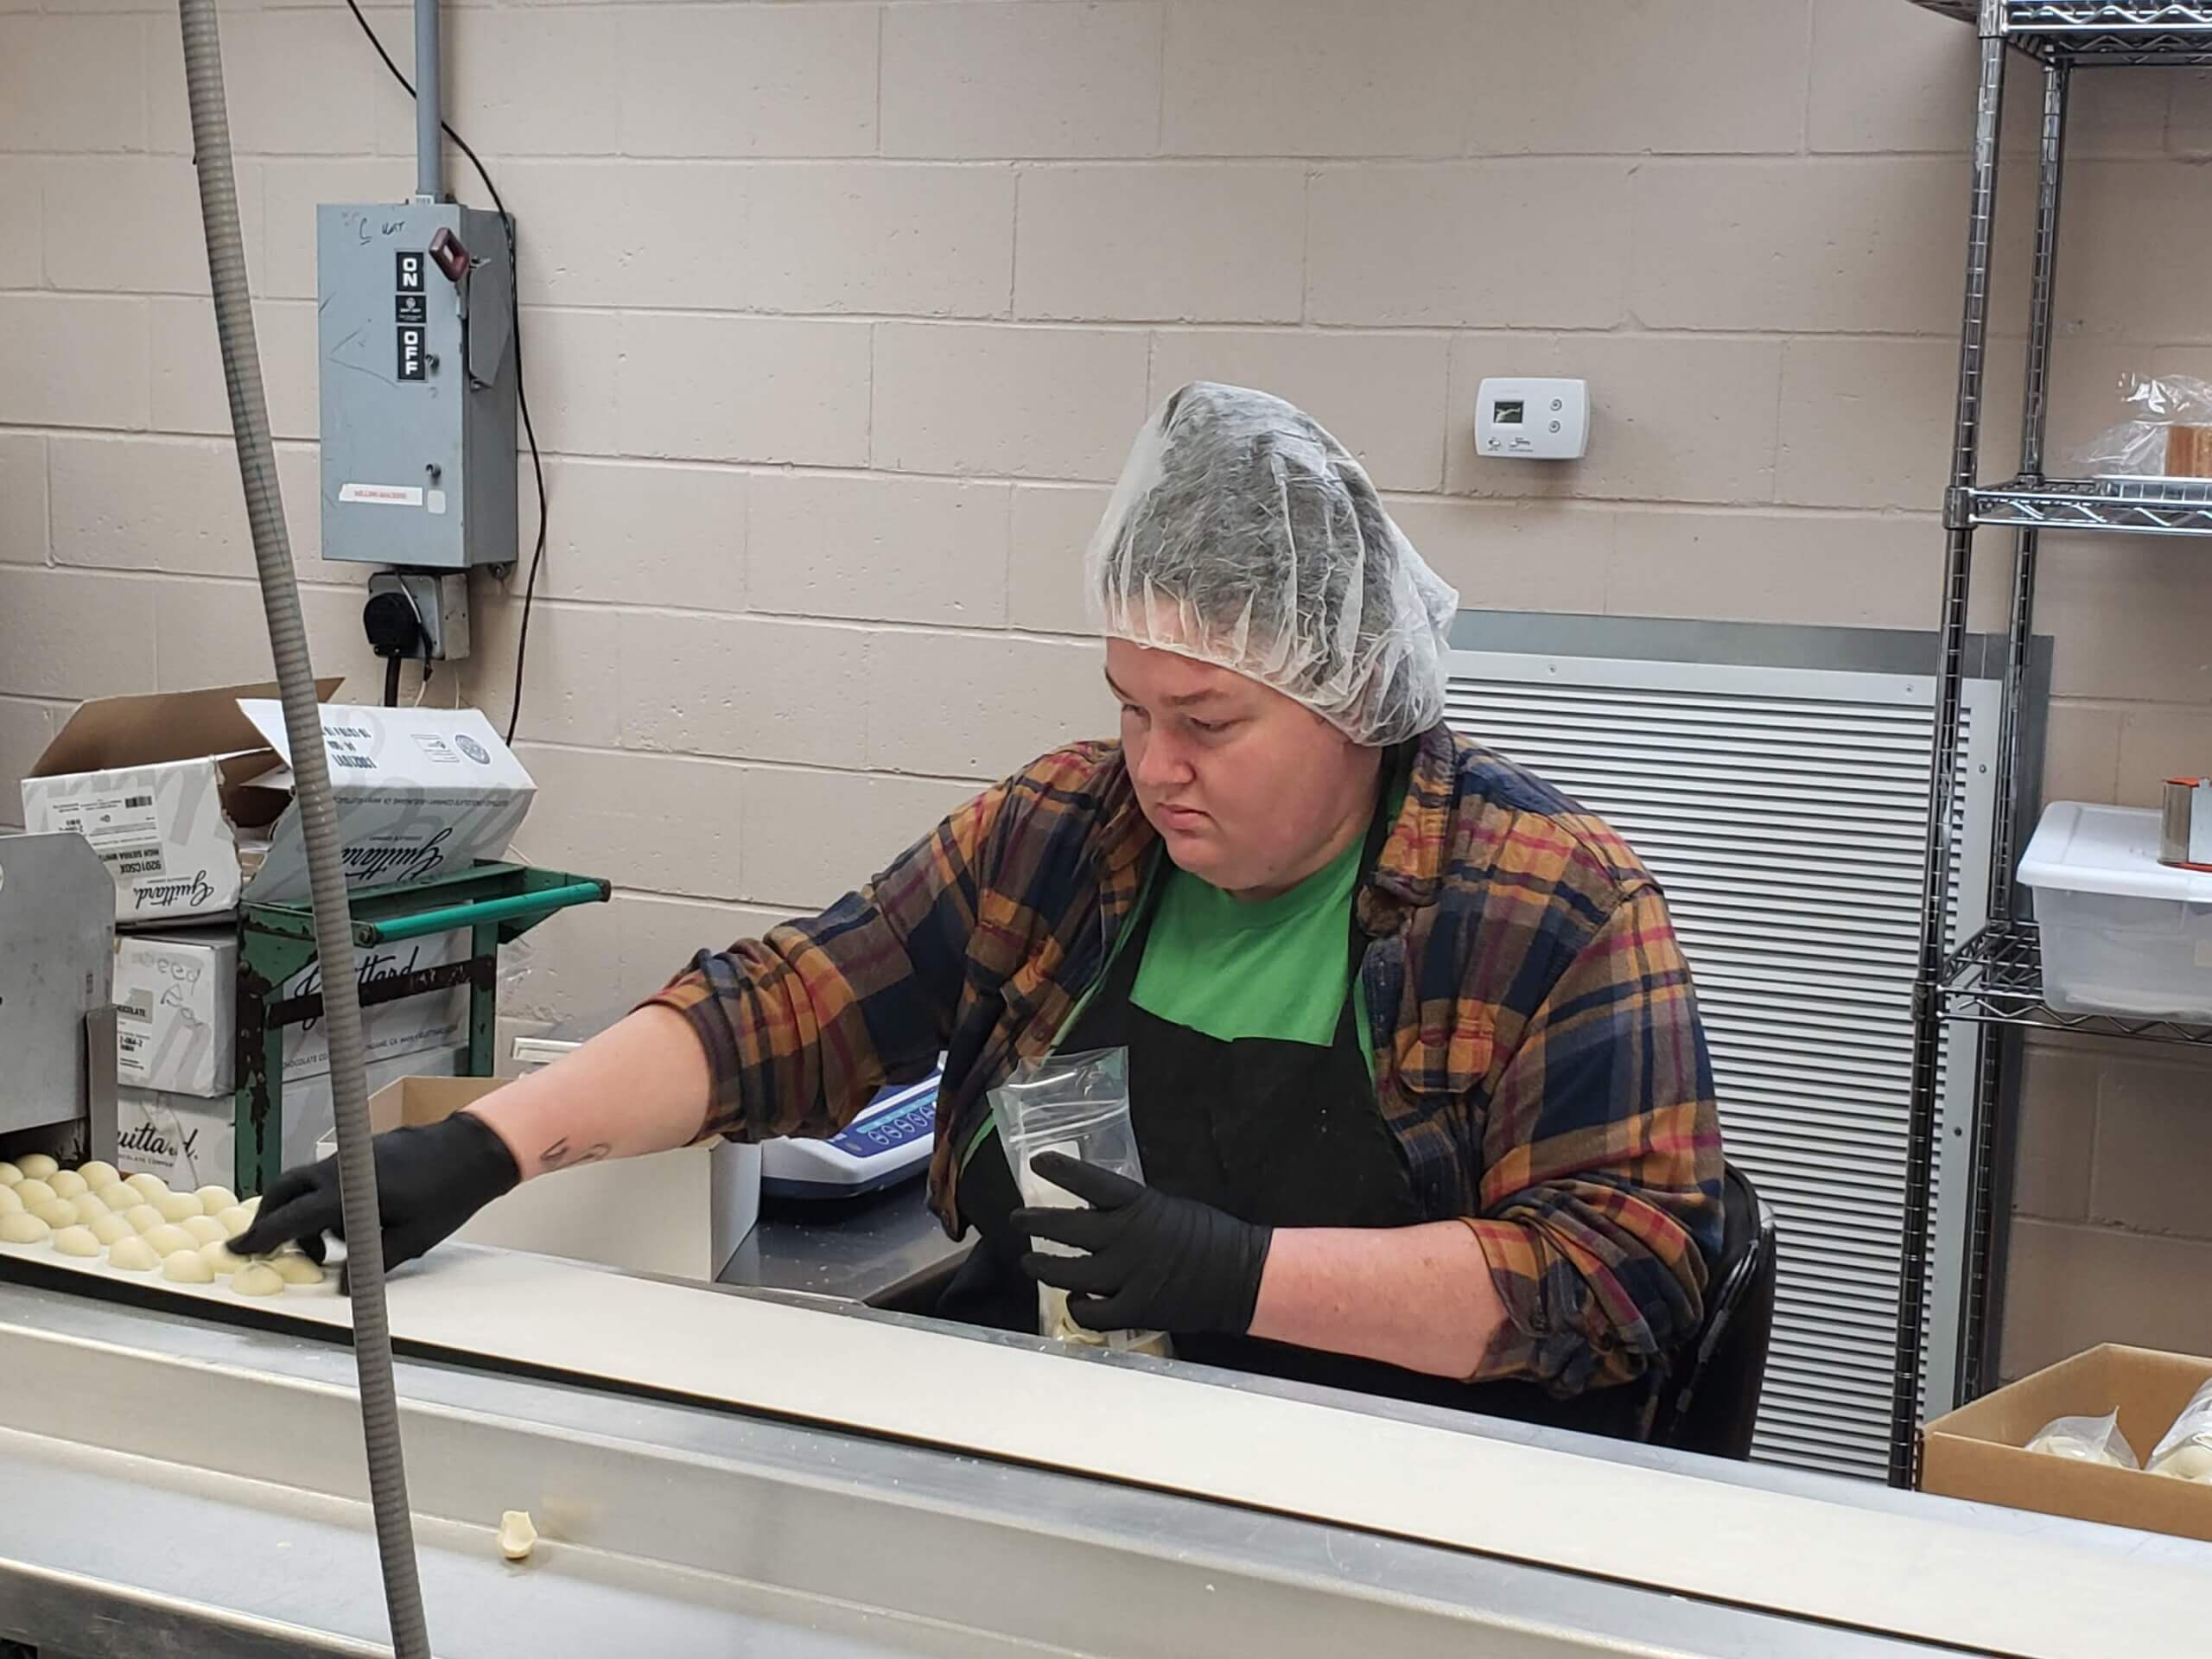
[(2122, 933)]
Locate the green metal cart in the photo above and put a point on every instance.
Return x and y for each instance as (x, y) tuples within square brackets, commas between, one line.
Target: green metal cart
[(498, 903)]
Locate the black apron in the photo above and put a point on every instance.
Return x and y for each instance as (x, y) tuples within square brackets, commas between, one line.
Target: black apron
[(1271, 1132)]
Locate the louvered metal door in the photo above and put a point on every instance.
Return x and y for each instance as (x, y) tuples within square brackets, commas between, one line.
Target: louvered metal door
[(1783, 807)]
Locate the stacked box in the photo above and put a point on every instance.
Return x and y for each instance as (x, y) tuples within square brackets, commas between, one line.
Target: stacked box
[(187, 797)]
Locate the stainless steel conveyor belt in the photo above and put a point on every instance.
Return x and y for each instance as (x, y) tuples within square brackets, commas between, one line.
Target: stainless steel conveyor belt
[(173, 1485)]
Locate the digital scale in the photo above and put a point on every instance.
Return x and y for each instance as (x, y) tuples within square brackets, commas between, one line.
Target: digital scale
[(887, 1143)]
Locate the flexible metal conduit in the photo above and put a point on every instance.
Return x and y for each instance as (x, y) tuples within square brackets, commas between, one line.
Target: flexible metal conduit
[(279, 599)]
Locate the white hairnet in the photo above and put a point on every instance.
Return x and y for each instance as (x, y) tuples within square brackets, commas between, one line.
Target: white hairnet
[(1243, 534)]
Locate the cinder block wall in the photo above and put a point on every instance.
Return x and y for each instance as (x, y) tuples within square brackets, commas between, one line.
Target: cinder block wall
[(839, 317)]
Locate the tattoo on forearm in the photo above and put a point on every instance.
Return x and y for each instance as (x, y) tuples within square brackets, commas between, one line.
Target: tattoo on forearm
[(559, 1155)]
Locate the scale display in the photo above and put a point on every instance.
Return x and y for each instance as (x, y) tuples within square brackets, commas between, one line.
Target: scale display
[(887, 1143)]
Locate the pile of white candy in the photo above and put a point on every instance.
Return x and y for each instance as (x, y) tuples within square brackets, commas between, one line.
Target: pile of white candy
[(138, 1224)]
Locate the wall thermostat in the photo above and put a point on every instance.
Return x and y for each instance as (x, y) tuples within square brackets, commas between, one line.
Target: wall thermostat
[(1533, 420)]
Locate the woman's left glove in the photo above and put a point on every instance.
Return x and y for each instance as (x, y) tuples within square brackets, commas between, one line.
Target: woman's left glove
[(1152, 1262)]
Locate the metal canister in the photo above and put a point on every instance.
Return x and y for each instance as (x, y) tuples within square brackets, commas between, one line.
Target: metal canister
[(2184, 796)]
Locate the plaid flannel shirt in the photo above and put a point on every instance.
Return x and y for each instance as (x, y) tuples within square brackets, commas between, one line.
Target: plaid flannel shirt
[(1538, 1052)]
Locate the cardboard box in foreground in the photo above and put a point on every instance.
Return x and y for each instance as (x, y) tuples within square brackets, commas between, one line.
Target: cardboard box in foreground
[(1977, 1451), (682, 1213)]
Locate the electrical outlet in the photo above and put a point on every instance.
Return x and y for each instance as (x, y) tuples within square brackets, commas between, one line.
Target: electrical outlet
[(439, 602)]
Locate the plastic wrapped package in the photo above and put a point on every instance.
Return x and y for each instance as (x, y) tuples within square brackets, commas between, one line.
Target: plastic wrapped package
[(2138, 446), (2086, 1439), (1077, 1105), (517, 961), (1244, 535), (2185, 1451)]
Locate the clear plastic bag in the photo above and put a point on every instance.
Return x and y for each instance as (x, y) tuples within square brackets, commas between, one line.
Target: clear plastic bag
[(2086, 1439), (517, 957), (2185, 1453), (2137, 447), (1079, 1105)]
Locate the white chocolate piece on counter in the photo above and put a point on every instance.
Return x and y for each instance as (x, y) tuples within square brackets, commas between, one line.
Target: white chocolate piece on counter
[(10, 1204), (76, 1241), (90, 1206), (187, 1267), (142, 1218), (168, 1238), (257, 1279), (32, 1191), (294, 1268), (221, 1261), (205, 1230), (214, 1200), (37, 1167), (99, 1173), (518, 1534), (150, 1186), (235, 1220), (21, 1227), (56, 1212), (110, 1229), (176, 1206), (10, 1174), (132, 1255), (68, 1184)]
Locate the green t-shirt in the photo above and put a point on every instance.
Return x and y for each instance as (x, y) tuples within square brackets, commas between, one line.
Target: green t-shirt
[(1275, 968)]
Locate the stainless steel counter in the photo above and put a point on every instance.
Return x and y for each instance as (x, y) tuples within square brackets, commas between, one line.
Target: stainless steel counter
[(864, 1249)]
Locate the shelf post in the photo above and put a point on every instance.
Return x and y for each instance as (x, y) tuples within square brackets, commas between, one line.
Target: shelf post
[(1984, 1273), (1928, 1030)]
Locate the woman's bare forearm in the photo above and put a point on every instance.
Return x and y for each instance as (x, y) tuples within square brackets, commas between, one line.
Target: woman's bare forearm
[(1419, 1297), (639, 1086)]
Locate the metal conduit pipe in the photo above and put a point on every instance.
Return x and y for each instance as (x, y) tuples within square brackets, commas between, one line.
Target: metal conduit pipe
[(429, 103), (279, 599)]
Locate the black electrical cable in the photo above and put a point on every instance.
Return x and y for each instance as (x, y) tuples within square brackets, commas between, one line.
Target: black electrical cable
[(522, 394)]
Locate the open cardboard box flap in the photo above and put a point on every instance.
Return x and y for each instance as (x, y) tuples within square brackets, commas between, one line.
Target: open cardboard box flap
[(681, 1213), (419, 792), (427, 748), (110, 732), (1979, 1451)]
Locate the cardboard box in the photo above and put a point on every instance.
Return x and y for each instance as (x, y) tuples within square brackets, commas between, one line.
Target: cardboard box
[(2189, 451), (187, 1139), (176, 1008), (187, 796), (681, 1213), (190, 1141), (1977, 1452)]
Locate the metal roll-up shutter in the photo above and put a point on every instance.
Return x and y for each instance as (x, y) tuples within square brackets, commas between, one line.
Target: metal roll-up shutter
[(1783, 804)]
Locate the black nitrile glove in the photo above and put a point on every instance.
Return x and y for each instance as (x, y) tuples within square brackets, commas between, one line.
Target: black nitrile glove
[(430, 1179), (1155, 1263)]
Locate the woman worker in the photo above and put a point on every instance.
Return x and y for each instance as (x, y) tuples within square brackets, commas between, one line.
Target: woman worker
[(1415, 1066)]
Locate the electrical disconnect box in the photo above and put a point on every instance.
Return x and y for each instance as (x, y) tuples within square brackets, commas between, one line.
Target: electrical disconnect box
[(417, 361)]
